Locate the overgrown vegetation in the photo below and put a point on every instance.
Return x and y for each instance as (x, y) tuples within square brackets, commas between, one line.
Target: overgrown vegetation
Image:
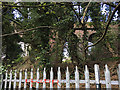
[(47, 26)]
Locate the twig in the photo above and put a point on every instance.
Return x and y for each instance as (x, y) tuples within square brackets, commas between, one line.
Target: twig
[(76, 15), (82, 21)]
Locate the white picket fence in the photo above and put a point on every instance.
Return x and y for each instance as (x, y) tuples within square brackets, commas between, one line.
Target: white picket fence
[(6, 83)]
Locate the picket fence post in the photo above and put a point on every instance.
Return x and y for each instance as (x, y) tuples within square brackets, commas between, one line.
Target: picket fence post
[(25, 82), (1, 81), (44, 78), (31, 79), (20, 79), (67, 79), (6, 74), (107, 77), (118, 71), (87, 81), (97, 76), (37, 83), (10, 80), (59, 78), (76, 78), (15, 75), (51, 78)]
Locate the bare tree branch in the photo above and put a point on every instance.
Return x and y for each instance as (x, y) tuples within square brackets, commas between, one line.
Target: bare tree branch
[(28, 6), (22, 31), (76, 14), (82, 21), (109, 21), (35, 6)]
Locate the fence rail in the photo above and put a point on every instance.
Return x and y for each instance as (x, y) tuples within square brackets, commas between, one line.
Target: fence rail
[(7, 83)]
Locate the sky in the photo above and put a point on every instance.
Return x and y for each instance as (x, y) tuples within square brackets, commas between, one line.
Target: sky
[(106, 12), (103, 9)]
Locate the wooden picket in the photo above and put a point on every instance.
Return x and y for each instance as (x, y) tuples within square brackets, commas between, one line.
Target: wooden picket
[(118, 71), (37, 84), (59, 78), (6, 79), (1, 81), (97, 76), (25, 81), (67, 79), (10, 80), (20, 79), (44, 78), (15, 75), (107, 77), (7, 83), (31, 79), (76, 78), (87, 81), (51, 78)]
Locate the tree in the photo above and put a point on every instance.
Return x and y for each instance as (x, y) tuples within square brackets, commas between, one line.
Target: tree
[(10, 46), (41, 22)]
